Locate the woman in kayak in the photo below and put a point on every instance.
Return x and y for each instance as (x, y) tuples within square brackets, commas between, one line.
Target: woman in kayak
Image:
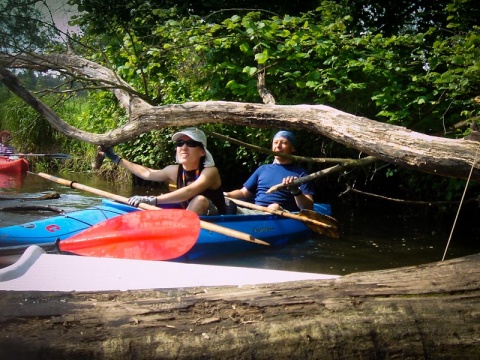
[(199, 187), (5, 147)]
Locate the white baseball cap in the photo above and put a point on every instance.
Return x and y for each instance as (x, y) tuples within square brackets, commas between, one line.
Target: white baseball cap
[(197, 135)]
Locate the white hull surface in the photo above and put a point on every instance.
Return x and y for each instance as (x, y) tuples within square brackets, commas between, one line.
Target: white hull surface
[(39, 271)]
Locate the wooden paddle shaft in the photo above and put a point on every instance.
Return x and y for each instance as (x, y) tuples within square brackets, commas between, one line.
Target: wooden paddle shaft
[(204, 224), (57, 156), (278, 212), (313, 224)]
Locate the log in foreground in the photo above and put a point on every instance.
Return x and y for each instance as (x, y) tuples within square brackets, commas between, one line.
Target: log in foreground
[(428, 311)]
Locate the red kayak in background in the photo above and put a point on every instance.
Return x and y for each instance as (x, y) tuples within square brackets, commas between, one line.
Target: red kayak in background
[(9, 165)]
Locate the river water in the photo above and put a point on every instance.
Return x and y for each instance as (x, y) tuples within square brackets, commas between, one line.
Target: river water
[(375, 236)]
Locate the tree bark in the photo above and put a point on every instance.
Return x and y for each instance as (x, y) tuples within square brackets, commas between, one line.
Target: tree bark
[(428, 311), (390, 143)]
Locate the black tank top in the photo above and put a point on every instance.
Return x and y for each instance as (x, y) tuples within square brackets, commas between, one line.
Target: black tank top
[(216, 195)]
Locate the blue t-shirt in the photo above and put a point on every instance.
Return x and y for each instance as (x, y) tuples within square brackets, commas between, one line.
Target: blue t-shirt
[(269, 175)]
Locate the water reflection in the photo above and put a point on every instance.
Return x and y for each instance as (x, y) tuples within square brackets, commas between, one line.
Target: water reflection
[(31, 189), (12, 182), (373, 238)]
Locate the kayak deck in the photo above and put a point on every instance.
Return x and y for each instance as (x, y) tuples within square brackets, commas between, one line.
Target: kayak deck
[(16, 166), (38, 271)]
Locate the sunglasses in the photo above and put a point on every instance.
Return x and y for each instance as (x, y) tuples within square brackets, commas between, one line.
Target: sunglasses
[(190, 143)]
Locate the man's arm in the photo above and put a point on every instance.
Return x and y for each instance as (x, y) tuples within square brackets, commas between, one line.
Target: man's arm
[(242, 193), (304, 201)]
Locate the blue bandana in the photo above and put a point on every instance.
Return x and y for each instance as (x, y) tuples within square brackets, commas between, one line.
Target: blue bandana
[(287, 135)]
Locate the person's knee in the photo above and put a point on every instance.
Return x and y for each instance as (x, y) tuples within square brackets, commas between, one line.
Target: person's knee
[(274, 206), (199, 204)]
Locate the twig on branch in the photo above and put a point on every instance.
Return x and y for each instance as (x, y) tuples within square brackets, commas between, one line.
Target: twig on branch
[(266, 95), (273, 153), (429, 203), (457, 126), (343, 163)]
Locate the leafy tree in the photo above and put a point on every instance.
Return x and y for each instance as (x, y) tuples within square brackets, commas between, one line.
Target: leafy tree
[(101, 13), (419, 71), (424, 81), (22, 27)]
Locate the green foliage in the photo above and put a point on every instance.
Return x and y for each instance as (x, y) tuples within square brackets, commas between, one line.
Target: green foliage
[(30, 132), (354, 56), (97, 113), (419, 81), (424, 81), (154, 149), (425, 187), (101, 13)]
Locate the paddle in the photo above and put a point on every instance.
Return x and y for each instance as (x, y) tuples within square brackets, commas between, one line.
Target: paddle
[(141, 235), (56, 156), (203, 224), (313, 215), (322, 224)]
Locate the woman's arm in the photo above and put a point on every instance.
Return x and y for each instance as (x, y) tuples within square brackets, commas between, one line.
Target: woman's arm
[(209, 179), (148, 173)]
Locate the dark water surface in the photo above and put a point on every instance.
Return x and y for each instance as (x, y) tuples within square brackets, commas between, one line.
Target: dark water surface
[(375, 237)]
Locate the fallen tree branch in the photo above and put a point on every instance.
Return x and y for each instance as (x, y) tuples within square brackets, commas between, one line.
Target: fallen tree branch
[(387, 142)]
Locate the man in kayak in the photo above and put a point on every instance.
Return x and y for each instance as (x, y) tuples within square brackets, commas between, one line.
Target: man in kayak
[(199, 187), (281, 171)]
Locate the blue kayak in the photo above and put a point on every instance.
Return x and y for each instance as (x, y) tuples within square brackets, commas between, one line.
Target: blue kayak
[(274, 229), (57, 227)]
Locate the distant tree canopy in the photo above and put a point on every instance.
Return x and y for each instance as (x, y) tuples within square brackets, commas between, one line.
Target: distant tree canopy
[(22, 27), (386, 17)]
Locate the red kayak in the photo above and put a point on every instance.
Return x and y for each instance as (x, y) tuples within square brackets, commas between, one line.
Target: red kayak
[(8, 165)]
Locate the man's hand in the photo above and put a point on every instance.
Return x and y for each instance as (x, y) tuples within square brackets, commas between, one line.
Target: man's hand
[(294, 189)]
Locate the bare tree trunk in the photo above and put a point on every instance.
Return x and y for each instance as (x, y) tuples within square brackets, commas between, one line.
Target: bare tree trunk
[(421, 312), (390, 143)]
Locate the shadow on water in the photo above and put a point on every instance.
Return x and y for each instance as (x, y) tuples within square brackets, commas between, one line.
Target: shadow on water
[(375, 236), (32, 187), (373, 239)]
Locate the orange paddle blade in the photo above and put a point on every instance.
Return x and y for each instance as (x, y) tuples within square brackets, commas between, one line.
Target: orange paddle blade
[(142, 235)]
